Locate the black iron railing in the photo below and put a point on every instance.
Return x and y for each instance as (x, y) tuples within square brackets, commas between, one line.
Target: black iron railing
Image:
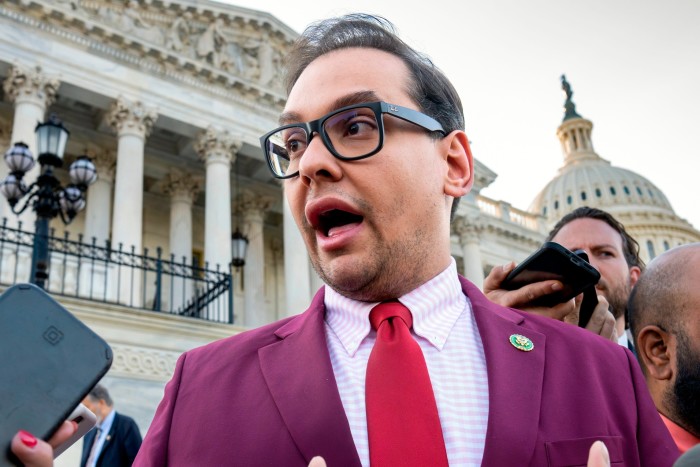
[(115, 275)]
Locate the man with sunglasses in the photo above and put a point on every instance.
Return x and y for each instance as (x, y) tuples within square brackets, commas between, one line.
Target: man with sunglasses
[(373, 154)]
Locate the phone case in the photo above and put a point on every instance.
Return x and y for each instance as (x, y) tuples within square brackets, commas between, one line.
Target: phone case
[(85, 420), (553, 261), (49, 361)]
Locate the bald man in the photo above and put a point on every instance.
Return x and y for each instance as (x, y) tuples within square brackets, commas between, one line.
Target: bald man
[(664, 313)]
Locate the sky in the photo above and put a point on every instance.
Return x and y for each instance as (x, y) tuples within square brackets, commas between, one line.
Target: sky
[(634, 67)]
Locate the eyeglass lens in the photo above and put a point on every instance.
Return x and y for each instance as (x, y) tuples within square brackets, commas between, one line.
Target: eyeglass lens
[(350, 134)]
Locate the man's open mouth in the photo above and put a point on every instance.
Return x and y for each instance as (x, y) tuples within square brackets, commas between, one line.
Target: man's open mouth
[(335, 221)]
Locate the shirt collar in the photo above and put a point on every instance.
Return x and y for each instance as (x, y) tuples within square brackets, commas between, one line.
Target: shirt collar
[(106, 424), (436, 305), (622, 340), (683, 438)]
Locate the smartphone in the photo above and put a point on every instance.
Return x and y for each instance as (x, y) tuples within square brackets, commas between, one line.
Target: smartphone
[(86, 421), (49, 359), (553, 261), (590, 297)]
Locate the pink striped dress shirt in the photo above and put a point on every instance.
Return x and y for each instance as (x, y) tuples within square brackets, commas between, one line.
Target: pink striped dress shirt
[(444, 326)]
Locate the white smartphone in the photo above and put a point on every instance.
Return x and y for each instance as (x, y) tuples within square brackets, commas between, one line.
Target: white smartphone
[(86, 421)]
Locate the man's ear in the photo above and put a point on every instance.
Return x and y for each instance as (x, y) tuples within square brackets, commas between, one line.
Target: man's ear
[(635, 272), (460, 164), (656, 351)]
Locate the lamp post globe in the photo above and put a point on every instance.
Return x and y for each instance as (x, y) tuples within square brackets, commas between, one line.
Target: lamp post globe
[(19, 159), (239, 245), (51, 139)]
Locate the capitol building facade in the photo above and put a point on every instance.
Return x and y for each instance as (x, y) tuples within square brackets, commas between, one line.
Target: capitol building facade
[(168, 99)]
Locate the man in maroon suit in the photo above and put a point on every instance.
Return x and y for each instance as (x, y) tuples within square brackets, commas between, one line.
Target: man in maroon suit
[(374, 156), (377, 228)]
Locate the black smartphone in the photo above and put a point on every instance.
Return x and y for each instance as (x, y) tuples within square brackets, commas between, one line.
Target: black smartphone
[(590, 297), (553, 261), (49, 359)]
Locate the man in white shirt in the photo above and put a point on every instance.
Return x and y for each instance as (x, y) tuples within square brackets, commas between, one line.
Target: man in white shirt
[(116, 438)]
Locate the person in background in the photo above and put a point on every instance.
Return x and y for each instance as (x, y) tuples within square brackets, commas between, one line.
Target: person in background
[(664, 313), (611, 250), (116, 438)]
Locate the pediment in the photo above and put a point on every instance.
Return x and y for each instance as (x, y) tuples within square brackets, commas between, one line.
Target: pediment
[(222, 45)]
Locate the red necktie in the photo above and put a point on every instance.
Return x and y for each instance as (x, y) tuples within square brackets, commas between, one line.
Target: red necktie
[(402, 418)]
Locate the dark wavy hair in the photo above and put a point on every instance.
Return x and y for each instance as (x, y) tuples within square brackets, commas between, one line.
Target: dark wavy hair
[(100, 392), (630, 247), (429, 87)]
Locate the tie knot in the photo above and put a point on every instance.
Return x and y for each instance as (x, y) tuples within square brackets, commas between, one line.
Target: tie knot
[(386, 310)]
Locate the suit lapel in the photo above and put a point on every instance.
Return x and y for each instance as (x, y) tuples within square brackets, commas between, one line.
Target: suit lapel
[(87, 445), (299, 375), (108, 439), (515, 381)]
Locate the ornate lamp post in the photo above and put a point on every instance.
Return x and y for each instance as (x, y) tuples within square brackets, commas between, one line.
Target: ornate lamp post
[(46, 196)]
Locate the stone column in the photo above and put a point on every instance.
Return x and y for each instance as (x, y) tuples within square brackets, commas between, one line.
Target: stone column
[(469, 230), (99, 198), (32, 93), (253, 207), (217, 149), (97, 222), (5, 139), (182, 188), (276, 274), (133, 122), (297, 267)]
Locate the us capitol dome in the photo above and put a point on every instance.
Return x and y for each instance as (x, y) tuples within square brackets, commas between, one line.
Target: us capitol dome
[(586, 179)]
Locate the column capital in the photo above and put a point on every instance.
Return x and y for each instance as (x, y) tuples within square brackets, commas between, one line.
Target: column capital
[(468, 228), (31, 85), (181, 185), (251, 205), (217, 145), (105, 161), (134, 118)]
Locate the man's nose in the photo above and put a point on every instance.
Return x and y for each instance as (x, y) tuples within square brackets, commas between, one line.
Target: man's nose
[(593, 260), (317, 163)]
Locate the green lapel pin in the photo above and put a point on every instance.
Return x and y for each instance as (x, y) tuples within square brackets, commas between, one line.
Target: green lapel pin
[(521, 342)]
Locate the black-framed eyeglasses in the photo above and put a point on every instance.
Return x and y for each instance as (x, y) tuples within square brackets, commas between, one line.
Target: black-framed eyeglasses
[(350, 133)]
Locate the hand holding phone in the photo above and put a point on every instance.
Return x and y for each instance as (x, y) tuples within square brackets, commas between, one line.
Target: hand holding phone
[(86, 421), (590, 297), (553, 262), (50, 361)]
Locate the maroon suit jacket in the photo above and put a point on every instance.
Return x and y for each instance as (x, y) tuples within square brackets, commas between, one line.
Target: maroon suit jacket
[(268, 397)]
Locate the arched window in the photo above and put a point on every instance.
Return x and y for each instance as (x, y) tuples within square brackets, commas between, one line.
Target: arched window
[(627, 190), (556, 204), (639, 190), (650, 249), (612, 191), (544, 210), (598, 193), (583, 196), (666, 246), (569, 200)]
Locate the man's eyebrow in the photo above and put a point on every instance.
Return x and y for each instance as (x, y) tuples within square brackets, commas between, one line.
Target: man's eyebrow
[(602, 246), (343, 101), (289, 117), (355, 98)]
